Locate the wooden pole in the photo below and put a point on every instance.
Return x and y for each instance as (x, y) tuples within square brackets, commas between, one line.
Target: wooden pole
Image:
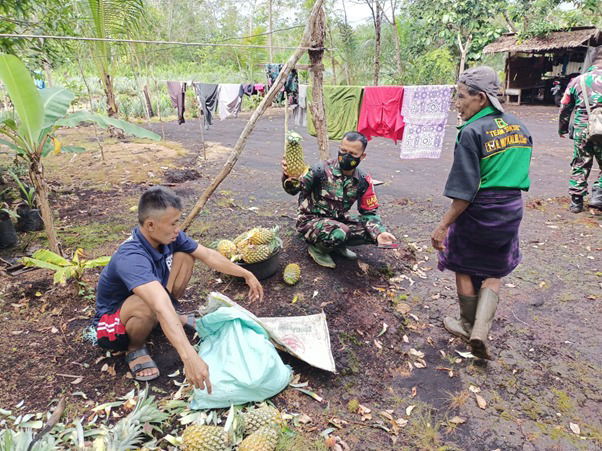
[(285, 117), (317, 105), (270, 33), (267, 100), (202, 122)]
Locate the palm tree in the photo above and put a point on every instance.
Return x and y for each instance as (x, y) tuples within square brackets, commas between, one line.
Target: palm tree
[(110, 19)]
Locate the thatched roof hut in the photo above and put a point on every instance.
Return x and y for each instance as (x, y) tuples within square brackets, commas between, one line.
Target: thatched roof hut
[(555, 40), (533, 64)]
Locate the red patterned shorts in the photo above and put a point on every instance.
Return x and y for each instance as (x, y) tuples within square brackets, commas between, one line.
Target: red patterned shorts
[(110, 333)]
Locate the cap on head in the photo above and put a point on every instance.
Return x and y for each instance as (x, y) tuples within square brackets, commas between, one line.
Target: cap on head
[(157, 199), (483, 79)]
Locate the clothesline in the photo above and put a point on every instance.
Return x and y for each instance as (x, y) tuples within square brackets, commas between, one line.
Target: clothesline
[(140, 41)]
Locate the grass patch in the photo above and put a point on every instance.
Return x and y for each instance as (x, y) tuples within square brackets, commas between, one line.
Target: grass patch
[(94, 235), (295, 441)]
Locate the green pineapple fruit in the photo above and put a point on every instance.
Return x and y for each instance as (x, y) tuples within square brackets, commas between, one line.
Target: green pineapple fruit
[(264, 439), (292, 272), (254, 253), (263, 416), (261, 235), (241, 237), (293, 155), (227, 248), (205, 438)]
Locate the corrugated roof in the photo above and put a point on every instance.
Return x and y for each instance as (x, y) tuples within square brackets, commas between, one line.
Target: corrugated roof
[(554, 40)]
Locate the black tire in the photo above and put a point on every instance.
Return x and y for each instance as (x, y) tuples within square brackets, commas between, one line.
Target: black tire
[(557, 98)]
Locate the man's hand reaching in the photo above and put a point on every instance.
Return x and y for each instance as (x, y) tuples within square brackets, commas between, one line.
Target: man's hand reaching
[(385, 238)]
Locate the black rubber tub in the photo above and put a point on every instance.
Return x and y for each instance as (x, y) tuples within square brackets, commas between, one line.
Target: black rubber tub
[(263, 270)]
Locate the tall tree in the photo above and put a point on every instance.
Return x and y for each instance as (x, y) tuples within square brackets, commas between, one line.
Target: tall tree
[(393, 22), (377, 11), (110, 19)]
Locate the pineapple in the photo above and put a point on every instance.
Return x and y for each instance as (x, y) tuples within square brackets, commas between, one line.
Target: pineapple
[(227, 248), (205, 438), (263, 416), (254, 253), (241, 237), (292, 272), (261, 235), (293, 155), (264, 439)]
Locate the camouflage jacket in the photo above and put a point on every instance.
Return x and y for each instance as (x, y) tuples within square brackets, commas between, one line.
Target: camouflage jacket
[(333, 195), (573, 100)]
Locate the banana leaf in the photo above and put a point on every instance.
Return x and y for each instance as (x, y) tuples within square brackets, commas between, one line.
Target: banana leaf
[(83, 116), (9, 144), (56, 102), (44, 257), (101, 261), (24, 96), (49, 147)]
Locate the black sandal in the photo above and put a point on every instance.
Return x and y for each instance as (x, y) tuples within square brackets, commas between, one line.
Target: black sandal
[(190, 323), (133, 355)]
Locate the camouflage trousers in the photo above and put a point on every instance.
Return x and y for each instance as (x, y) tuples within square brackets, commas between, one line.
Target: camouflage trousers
[(583, 160), (331, 233)]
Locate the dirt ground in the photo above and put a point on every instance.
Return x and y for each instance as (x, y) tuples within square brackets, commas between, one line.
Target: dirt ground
[(547, 376)]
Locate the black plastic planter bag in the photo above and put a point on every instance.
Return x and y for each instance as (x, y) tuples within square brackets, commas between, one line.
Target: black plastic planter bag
[(8, 235), (29, 219)]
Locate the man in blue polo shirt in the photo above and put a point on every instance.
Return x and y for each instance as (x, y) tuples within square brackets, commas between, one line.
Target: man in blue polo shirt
[(136, 288)]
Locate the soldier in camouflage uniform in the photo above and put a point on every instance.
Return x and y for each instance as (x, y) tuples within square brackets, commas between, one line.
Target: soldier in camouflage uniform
[(585, 150), (328, 190)]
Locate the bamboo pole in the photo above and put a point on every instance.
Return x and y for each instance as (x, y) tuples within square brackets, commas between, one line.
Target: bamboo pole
[(285, 117), (267, 100)]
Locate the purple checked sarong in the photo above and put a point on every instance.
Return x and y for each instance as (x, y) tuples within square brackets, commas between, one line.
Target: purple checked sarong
[(483, 241)]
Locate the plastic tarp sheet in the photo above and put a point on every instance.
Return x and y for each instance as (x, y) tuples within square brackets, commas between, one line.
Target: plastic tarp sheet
[(244, 365), (304, 337)]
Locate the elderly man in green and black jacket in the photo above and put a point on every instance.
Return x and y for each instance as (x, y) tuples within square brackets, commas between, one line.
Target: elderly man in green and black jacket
[(478, 236)]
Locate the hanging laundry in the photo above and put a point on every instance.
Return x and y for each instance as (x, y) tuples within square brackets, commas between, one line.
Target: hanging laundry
[(424, 110), (291, 85), (342, 109), (177, 92), (249, 89), (379, 113), (229, 100), (300, 110), (260, 87), (206, 94)]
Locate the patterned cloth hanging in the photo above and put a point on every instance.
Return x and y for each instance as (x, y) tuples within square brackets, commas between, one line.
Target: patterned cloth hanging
[(424, 110)]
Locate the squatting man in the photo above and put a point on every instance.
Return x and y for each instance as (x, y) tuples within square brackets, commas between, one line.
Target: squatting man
[(138, 287)]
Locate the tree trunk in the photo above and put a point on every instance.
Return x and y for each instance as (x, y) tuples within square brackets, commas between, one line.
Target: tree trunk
[(317, 80), (48, 74), (397, 47), (463, 51), (267, 100), (147, 99), (332, 59), (270, 33), (377, 26), (110, 93), (36, 173)]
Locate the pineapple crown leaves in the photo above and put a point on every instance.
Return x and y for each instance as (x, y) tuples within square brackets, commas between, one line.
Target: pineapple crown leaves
[(128, 432), (294, 137)]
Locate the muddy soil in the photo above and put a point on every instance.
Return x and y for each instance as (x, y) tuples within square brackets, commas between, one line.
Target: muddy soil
[(548, 368)]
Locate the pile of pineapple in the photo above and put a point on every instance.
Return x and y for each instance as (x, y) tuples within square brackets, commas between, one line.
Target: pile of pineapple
[(261, 427), (253, 246)]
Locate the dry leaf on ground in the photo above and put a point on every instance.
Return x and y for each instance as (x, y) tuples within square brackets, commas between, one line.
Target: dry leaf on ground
[(457, 420), (409, 410), (481, 401), (575, 428)]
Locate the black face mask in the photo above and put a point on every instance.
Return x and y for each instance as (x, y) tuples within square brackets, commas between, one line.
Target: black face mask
[(348, 162)]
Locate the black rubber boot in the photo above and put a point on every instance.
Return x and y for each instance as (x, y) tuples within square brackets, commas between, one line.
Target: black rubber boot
[(576, 204), (596, 200)]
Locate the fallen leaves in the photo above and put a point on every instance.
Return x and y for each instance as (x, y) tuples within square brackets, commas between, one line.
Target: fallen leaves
[(402, 308), (409, 410), (575, 428), (457, 420), (480, 401)]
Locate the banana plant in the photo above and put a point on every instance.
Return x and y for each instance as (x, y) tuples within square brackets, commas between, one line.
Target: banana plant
[(40, 114), (63, 268)]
